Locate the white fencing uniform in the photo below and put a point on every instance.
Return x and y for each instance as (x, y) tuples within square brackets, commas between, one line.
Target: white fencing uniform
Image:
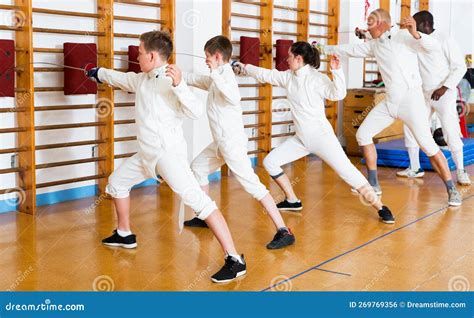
[(441, 68), (159, 110), (396, 56), (227, 128), (306, 91)]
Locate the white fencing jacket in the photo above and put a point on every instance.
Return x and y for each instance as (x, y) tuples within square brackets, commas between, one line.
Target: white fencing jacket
[(223, 105), (396, 55), (307, 89), (159, 111), (442, 68)]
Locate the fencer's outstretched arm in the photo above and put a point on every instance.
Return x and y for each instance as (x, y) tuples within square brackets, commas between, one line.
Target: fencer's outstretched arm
[(264, 75), (230, 92), (125, 81), (350, 50), (457, 66), (197, 80)]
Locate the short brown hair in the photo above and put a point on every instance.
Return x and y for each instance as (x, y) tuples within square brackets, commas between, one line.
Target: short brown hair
[(219, 44), (158, 41)]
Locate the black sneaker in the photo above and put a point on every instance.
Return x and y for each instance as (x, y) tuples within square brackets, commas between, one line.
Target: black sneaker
[(386, 216), (230, 271), (287, 206), (195, 222), (129, 241), (282, 238)]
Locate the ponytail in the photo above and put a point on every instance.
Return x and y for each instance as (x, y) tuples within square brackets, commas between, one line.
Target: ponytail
[(308, 52)]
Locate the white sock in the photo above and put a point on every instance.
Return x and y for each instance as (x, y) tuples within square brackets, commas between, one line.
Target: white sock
[(293, 201), (458, 158), (414, 154), (123, 233), (237, 256)]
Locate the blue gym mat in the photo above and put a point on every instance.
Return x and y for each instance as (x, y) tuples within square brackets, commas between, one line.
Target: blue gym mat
[(394, 154)]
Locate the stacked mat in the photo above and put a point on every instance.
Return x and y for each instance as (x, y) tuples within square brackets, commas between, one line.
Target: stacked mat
[(394, 154)]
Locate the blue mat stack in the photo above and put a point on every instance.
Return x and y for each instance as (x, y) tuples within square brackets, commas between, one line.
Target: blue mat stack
[(394, 154)]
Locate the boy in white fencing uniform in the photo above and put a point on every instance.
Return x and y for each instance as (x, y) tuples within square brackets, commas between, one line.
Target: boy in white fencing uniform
[(162, 100), (306, 91), (398, 64), (230, 140), (441, 71)]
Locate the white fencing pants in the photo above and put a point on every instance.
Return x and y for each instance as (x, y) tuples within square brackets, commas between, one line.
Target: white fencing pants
[(174, 169), (213, 157), (326, 146), (446, 110), (410, 110)]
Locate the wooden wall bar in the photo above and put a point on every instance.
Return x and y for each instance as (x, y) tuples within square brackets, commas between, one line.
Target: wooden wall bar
[(265, 105), (25, 99), (333, 30), (105, 104)]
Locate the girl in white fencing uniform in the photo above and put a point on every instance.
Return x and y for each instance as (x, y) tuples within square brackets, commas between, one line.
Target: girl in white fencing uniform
[(230, 140), (162, 100), (306, 91)]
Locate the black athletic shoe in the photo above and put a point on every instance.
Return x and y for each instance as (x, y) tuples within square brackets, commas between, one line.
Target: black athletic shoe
[(386, 216), (129, 241), (282, 238), (287, 206), (195, 222), (230, 271)]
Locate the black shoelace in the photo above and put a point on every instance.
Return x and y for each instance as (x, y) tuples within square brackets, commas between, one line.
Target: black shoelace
[(385, 213), (230, 263), (279, 235)]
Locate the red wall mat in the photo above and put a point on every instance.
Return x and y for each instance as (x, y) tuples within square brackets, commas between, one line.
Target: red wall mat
[(79, 55), (282, 47), (249, 50), (133, 57), (7, 68)]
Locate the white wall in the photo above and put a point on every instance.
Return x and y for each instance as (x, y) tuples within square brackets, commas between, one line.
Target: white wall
[(192, 31)]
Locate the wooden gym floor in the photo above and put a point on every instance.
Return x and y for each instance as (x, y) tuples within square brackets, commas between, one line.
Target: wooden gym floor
[(340, 243)]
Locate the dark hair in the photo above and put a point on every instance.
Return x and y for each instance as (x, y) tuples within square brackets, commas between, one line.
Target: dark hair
[(424, 17), (158, 41), (219, 44), (309, 53)]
